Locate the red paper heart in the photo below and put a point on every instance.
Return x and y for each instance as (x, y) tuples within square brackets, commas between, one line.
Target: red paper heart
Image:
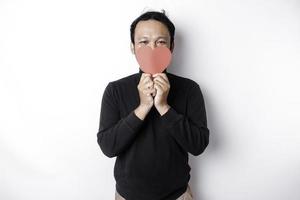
[(153, 61)]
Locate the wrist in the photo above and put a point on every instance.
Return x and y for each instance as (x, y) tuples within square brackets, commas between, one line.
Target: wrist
[(144, 107), (142, 110), (163, 109)]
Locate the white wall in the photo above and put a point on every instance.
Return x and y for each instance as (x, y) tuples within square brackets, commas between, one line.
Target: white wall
[(57, 56)]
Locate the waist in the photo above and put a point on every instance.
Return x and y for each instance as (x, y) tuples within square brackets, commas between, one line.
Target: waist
[(133, 189)]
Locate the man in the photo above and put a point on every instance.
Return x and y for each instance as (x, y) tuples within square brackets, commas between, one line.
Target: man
[(151, 123)]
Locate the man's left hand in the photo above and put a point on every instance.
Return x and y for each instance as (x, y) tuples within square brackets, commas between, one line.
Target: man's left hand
[(162, 86)]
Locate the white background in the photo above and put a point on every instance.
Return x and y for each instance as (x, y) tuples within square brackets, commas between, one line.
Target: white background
[(56, 57)]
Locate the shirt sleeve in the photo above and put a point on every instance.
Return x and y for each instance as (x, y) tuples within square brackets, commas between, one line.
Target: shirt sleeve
[(190, 131), (115, 134)]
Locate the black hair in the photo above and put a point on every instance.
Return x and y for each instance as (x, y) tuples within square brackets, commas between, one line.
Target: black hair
[(158, 16)]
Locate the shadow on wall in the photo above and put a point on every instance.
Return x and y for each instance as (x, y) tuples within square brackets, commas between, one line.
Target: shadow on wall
[(180, 67)]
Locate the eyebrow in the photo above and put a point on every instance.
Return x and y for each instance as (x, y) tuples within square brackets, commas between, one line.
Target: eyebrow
[(145, 37)]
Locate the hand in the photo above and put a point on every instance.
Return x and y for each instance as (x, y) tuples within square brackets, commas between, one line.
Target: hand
[(146, 91), (162, 86)]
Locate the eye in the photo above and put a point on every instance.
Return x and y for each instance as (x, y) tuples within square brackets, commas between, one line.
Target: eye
[(143, 42), (162, 42)]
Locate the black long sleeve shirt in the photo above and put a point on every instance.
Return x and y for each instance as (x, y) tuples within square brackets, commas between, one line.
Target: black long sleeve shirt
[(152, 154)]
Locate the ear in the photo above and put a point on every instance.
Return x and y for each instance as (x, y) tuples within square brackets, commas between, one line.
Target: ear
[(172, 47), (132, 48)]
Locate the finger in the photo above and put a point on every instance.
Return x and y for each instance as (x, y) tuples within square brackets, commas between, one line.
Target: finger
[(157, 74), (145, 75), (148, 91), (146, 79), (160, 79), (160, 84), (154, 92), (149, 85), (158, 87), (148, 82), (161, 75)]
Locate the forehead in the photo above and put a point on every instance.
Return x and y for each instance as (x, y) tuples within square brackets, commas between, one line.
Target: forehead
[(151, 28)]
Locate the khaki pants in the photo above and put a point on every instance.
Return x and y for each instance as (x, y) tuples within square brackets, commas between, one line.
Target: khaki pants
[(188, 195)]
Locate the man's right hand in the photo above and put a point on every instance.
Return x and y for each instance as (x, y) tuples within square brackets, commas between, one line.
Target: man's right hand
[(146, 92)]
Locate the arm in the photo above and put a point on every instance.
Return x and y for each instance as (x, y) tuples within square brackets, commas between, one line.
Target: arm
[(115, 134), (190, 131)]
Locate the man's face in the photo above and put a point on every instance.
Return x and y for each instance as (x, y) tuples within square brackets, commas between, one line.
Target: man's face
[(151, 33)]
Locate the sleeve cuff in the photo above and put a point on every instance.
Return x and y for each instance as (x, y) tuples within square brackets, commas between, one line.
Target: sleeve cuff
[(133, 121)]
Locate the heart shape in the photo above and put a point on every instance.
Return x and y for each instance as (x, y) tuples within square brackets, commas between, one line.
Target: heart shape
[(153, 61)]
